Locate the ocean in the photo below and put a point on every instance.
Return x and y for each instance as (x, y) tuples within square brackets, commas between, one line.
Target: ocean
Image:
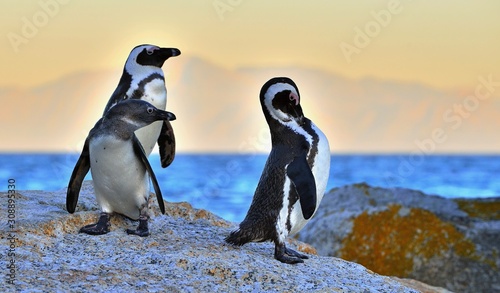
[(224, 183)]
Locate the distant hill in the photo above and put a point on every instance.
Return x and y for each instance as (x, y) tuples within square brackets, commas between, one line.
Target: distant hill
[(218, 110)]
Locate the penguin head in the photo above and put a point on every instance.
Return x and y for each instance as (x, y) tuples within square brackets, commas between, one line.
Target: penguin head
[(147, 56), (280, 100), (137, 113)]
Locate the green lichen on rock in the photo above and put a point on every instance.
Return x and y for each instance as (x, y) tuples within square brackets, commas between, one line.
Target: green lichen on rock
[(389, 241)]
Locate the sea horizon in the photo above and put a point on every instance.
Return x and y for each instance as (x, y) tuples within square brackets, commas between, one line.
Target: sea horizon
[(223, 183)]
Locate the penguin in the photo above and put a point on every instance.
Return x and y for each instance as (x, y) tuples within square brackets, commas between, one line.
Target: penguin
[(295, 175), (119, 166), (143, 79)]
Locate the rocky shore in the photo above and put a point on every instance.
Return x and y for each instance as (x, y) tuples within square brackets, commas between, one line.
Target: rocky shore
[(185, 253), (450, 243)]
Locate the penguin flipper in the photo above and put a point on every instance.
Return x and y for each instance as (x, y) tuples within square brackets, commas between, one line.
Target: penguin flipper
[(139, 152), (81, 169), (166, 142), (302, 178)]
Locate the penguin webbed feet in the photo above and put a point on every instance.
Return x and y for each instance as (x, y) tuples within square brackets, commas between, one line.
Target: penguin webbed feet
[(295, 253), (142, 230), (287, 255), (99, 228)]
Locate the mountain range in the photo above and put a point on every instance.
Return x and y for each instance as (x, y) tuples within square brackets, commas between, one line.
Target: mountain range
[(218, 110)]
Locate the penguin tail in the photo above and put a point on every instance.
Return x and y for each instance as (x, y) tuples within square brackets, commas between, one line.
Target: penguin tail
[(238, 237)]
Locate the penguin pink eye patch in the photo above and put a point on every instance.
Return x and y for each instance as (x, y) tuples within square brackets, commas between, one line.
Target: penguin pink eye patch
[(151, 50), (294, 97)]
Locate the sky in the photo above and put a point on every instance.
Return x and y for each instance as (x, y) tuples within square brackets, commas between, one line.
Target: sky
[(445, 45)]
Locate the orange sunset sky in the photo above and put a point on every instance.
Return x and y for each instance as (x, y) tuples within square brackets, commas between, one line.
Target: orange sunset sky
[(443, 45)]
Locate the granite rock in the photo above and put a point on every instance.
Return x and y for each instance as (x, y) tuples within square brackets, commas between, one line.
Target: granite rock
[(185, 253), (451, 243)]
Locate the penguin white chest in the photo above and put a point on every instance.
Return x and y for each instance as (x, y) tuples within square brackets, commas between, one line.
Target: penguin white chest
[(120, 179), (321, 172), (321, 165), (156, 94)]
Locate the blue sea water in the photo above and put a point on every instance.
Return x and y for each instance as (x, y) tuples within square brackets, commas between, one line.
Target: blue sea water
[(224, 183)]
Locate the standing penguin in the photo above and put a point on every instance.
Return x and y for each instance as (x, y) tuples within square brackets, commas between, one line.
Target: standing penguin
[(143, 79), (294, 178), (119, 166)]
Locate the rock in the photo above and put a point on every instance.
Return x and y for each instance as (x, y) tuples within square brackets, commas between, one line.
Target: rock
[(422, 287), (185, 253), (451, 243)]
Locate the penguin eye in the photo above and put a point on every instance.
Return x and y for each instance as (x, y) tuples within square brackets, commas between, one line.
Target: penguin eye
[(294, 98), (150, 110), (151, 50)]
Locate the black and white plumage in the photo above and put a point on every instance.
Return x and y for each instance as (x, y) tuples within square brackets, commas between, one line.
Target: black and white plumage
[(294, 178), (143, 79), (120, 168)]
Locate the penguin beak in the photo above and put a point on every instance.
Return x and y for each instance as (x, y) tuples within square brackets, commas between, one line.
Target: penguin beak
[(165, 115), (169, 52), (298, 115), (300, 120)]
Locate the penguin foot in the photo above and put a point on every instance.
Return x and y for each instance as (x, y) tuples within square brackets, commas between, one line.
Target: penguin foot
[(141, 230), (286, 255), (99, 228), (292, 252)]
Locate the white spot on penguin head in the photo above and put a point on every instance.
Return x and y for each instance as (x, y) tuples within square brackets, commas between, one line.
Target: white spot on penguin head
[(137, 70), (150, 49), (133, 122)]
